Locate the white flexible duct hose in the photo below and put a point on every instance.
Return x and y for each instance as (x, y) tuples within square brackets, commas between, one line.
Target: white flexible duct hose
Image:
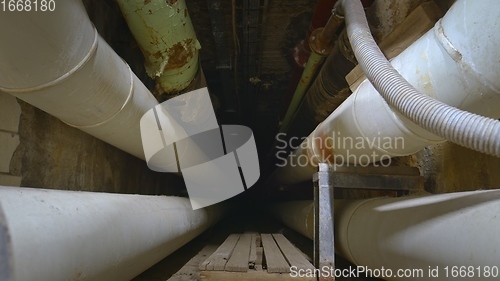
[(461, 127)]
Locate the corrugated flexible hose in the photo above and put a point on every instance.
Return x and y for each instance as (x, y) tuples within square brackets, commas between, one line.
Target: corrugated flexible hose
[(461, 127)]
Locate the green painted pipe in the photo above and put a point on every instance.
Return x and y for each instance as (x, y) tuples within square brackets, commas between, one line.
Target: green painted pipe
[(166, 36), (310, 70)]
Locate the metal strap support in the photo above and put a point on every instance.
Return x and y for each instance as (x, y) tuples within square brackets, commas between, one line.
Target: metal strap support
[(401, 179), (324, 244)]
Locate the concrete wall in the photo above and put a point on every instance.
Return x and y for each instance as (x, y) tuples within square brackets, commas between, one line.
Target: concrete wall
[(38, 150), (10, 112)]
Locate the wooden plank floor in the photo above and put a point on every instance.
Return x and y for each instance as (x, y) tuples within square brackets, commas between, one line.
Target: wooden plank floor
[(254, 257)]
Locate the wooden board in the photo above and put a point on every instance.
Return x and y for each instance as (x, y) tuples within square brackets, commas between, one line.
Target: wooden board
[(248, 260), (416, 24), (276, 263), (251, 275), (260, 255), (238, 262), (218, 260), (292, 254), (253, 251)]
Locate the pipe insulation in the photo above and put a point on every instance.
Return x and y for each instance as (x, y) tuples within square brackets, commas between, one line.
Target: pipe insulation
[(481, 74), (298, 215), (73, 235), (58, 63), (449, 67), (414, 232)]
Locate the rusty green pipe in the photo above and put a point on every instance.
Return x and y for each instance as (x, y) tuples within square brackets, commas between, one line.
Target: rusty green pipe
[(165, 34), (310, 70), (321, 42), (327, 92)]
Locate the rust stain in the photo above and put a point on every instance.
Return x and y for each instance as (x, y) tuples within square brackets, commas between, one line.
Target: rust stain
[(178, 55), (325, 148), (147, 2)]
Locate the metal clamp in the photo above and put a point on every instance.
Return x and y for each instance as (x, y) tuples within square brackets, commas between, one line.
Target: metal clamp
[(401, 179)]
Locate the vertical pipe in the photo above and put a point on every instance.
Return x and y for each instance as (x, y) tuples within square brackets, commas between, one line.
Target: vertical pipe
[(166, 36), (71, 235), (312, 66), (302, 51), (321, 43), (326, 92)]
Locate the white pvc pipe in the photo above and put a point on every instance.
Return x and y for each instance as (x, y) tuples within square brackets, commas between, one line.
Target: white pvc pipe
[(71, 235), (456, 229), (298, 215), (453, 63), (417, 232), (56, 61)]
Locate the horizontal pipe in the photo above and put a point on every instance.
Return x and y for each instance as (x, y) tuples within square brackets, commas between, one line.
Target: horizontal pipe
[(298, 215), (366, 129), (414, 232), (476, 75), (72, 235)]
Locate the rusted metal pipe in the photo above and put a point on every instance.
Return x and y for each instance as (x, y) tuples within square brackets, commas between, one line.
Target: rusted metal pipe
[(165, 34), (321, 43), (302, 51), (327, 92), (322, 39)]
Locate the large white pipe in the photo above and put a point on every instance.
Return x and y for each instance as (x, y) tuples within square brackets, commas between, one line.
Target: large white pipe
[(298, 215), (454, 230), (56, 61), (71, 235), (436, 231), (453, 63)]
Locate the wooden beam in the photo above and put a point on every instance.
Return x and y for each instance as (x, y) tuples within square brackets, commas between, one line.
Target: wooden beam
[(253, 251), (218, 260), (238, 262), (292, 254), (251, 275), (275, 261)]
